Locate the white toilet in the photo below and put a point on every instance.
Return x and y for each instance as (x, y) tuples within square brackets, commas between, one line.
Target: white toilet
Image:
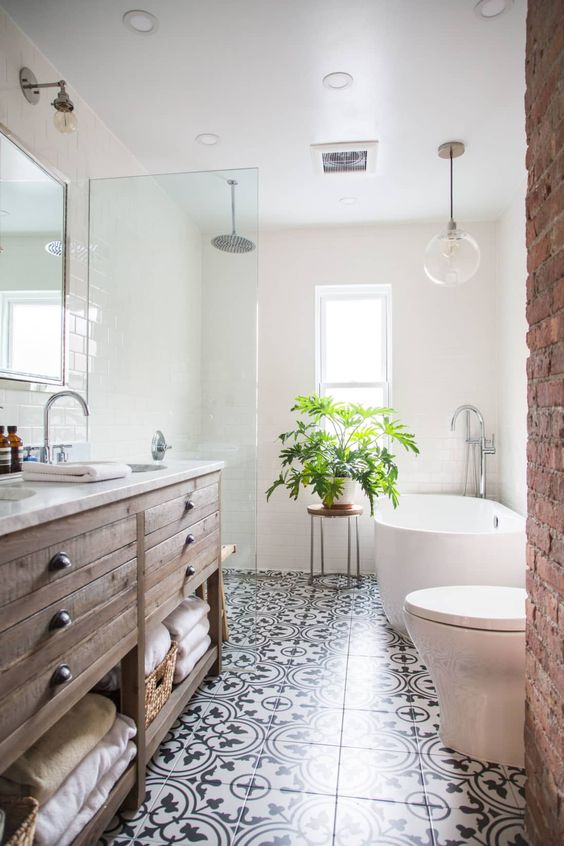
[(472, 640)]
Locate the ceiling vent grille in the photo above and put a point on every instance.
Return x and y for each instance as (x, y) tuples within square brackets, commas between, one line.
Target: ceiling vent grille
[(351, 157)]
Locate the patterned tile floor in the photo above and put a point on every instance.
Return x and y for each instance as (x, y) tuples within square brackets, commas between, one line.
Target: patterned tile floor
[(330, 739)]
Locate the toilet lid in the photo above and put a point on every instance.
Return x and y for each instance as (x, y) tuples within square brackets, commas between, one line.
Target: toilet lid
[(500, 609)]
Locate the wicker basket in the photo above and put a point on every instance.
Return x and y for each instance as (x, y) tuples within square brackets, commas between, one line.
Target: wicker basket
[(21, 814), (158, 685)]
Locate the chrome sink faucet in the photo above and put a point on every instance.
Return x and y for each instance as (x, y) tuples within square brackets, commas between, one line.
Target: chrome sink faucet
[(46, 449), (487, 447)]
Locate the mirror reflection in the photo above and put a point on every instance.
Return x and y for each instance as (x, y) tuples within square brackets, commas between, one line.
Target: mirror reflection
[(32, 262)]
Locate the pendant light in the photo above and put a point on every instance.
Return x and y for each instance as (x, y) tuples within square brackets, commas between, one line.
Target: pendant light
[(453, 256)]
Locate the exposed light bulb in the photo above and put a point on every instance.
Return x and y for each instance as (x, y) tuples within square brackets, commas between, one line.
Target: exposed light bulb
[(65, 122), (451, 258)]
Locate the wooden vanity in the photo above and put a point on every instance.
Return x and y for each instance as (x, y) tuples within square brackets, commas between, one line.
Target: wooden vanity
[(83, 573)]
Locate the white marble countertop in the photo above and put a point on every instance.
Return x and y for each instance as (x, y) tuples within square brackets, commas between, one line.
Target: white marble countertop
[(53, 500)]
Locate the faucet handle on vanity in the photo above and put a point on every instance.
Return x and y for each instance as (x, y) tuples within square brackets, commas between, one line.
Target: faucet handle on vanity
[(62, 456)]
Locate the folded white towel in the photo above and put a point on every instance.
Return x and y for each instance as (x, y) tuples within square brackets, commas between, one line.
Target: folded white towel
[(157, 644), (194, 637), (189, 661), (92, 471), (85, 790), (185, 616), (97, 798)]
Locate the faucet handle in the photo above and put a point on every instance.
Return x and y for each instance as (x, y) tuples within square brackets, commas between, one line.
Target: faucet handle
[(489, 446), (62, 456)]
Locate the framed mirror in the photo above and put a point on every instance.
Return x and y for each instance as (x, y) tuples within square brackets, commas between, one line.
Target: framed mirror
[(32, 267)]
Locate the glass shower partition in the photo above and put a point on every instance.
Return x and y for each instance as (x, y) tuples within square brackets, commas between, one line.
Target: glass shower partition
[(172, 345)]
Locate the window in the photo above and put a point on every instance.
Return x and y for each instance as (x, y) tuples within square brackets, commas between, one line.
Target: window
[(353, 343), (31, 331)]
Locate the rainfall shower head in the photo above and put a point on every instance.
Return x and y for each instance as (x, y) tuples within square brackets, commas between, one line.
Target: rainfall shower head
[(232, 243)]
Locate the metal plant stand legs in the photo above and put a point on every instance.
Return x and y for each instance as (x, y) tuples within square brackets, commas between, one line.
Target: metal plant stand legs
[(321, 512)]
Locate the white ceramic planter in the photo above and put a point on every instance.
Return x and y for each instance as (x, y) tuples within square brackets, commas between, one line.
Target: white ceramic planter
[(348, 495)]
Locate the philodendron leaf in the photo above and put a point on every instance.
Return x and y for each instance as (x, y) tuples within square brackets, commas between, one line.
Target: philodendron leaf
[(339, 440)]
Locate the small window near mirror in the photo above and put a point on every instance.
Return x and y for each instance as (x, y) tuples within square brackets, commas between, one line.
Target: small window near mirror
[(32, 268)]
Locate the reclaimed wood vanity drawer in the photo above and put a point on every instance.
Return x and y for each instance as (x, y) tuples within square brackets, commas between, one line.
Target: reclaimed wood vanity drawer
[(54, 631), (167, 586), (43, 576), (176, 552), (194, 502), (86, 661)]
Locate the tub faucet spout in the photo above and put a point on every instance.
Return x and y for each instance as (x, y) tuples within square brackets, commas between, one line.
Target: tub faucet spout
[(486, 446)]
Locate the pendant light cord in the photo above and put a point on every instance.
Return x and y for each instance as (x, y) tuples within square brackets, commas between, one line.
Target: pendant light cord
[(451, 190)]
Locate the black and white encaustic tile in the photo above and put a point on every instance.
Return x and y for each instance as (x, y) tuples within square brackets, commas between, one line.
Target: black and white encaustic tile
[(329, 738)]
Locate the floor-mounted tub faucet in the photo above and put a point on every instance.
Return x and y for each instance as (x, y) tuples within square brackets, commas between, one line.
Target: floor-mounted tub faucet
[(46, 449), (486, 446)]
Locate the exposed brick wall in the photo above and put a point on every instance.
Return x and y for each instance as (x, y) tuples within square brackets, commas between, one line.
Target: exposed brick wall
[(544, 730)]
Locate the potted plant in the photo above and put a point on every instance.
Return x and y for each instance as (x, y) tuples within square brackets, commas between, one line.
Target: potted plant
[(339, 442)]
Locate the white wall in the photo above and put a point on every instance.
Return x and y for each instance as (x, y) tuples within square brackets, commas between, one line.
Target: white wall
[(444, 354), (511, 332), (92, 151)]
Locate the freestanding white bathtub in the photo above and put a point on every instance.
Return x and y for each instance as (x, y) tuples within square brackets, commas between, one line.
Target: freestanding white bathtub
[(432, 540)]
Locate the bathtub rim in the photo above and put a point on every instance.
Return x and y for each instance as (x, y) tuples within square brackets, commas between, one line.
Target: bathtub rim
[(519, 528)]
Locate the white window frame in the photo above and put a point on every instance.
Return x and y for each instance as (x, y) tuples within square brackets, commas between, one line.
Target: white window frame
[(323, 293), (8, 299)]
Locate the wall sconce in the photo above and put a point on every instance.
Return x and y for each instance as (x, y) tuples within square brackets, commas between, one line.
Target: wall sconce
[(64, 117)]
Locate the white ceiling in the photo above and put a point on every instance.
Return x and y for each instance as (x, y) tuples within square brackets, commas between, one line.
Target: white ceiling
[(425, 71)]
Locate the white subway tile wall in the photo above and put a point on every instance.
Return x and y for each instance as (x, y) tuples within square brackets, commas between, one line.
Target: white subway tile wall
[(443, 354), (92, 151)]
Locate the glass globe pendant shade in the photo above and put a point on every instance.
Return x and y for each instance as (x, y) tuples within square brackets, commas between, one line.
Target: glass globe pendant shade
[(65, 122), (452, 257)]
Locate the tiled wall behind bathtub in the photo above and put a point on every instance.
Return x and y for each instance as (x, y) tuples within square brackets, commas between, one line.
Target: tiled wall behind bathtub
[(90, 152), (444, 354)]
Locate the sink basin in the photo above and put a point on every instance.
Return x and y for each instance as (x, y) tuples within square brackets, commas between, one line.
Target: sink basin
[(14, 492), (146, 468)]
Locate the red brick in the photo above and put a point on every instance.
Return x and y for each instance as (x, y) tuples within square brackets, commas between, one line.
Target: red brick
[(544, 733)]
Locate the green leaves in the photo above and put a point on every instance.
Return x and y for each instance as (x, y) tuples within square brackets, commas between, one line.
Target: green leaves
[(339, 440)]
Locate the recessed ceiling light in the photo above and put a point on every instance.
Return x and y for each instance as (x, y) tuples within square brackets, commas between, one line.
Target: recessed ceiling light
[(348, 201), (338, 80), (488, 9), (207, 138), (140, 21)]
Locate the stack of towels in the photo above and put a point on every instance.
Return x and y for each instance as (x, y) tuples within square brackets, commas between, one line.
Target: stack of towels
[(157, 645), (189, 625), (72, 768)]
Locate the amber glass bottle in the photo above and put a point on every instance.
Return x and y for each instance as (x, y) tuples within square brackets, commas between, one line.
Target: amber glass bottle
[(5, 453), (16, 445)]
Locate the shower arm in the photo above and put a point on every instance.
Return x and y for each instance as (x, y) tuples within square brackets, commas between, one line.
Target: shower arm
[(232, 183)]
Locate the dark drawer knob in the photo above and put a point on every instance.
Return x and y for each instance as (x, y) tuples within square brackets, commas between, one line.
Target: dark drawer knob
[(189, 505), (190, 539), (190, 571), (62, 675), (60, 620), (60, 561)]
